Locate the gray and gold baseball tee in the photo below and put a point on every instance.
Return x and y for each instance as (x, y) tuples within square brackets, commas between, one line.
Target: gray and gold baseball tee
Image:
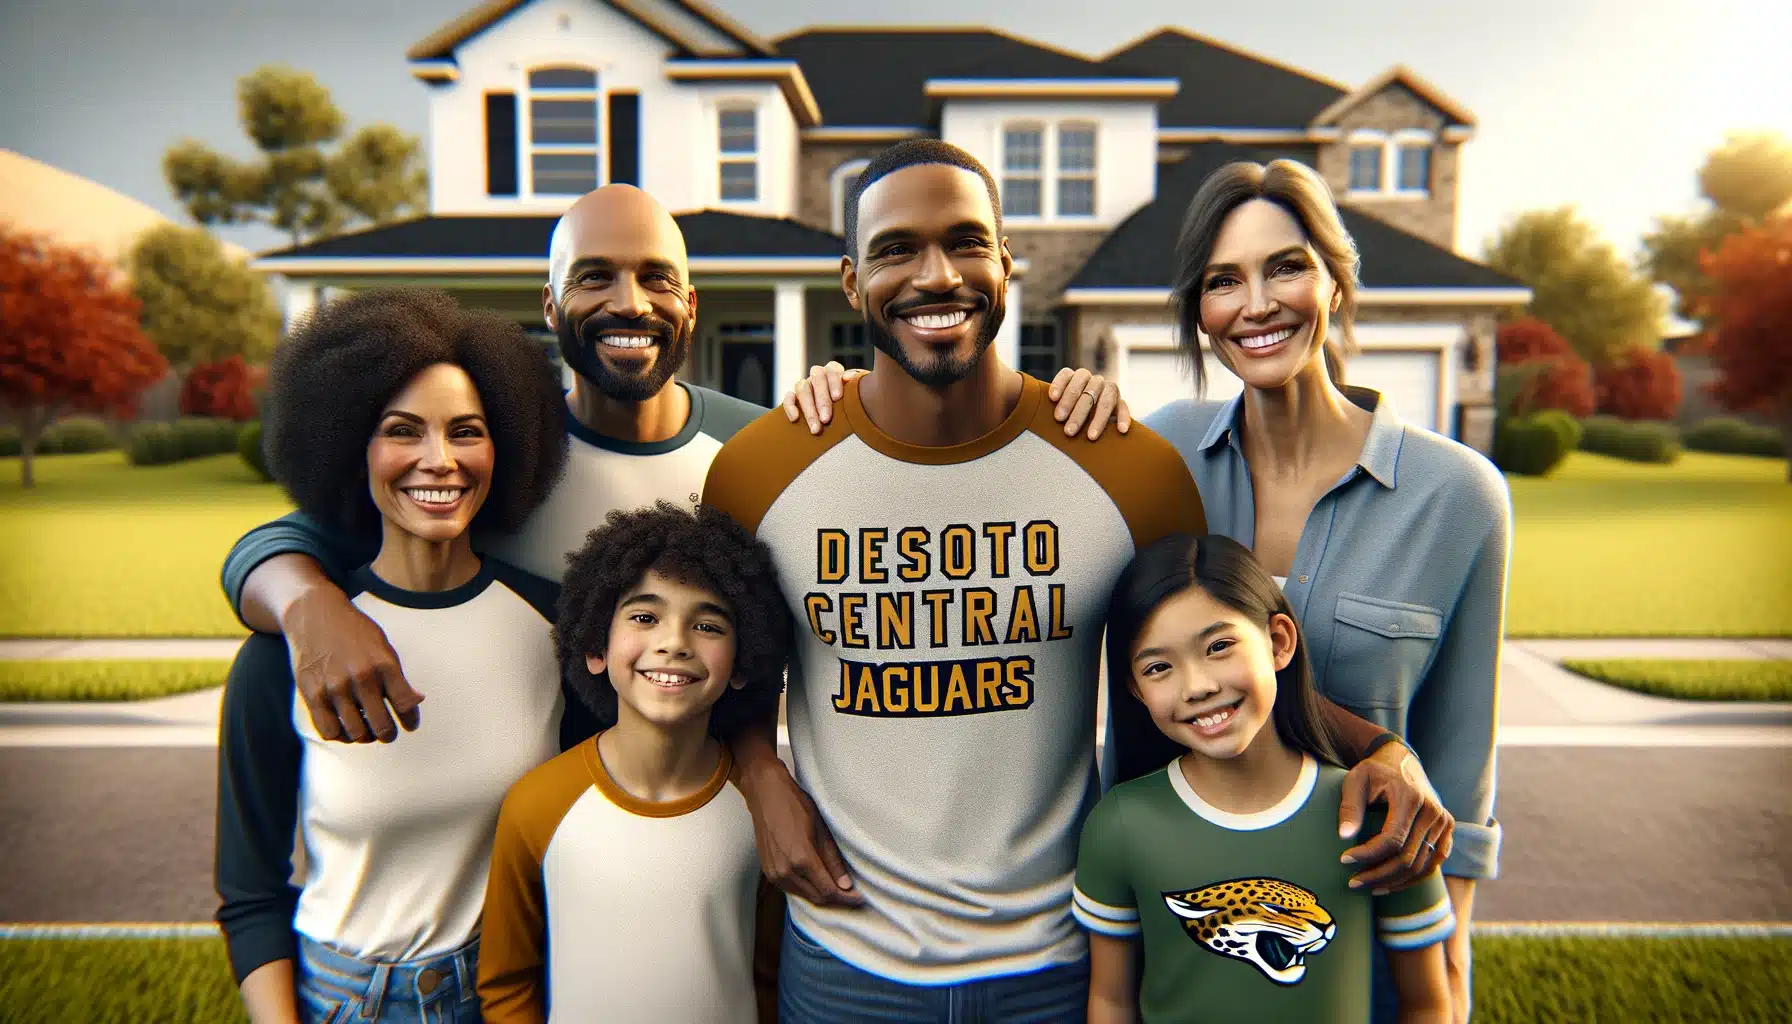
[(942, 695)]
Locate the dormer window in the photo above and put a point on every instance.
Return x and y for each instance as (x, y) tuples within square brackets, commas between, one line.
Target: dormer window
[(738, 129), (1396, 165), (1023, 148), (563, 131), (1076, 170), (1049, 170), (1365, 166)]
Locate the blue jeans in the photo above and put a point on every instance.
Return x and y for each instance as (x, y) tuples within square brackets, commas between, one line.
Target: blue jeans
[(334, 988), (816, 987)]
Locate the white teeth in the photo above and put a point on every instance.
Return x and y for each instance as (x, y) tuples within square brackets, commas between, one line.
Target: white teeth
[(1268, 339), (627, 340), (1218, 717), (667, 678), (939, 321), (433, 497)]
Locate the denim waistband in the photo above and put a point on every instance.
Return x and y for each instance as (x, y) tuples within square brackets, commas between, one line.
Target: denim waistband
[(422, 980)]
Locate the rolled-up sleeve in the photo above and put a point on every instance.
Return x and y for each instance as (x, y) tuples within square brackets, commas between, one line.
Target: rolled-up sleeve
[(1453, 723)]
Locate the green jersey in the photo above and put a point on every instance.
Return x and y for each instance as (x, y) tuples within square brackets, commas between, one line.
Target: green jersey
[(1244, 917)]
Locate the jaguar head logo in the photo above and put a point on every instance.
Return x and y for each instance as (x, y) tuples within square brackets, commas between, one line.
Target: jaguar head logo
[(1272, 925)]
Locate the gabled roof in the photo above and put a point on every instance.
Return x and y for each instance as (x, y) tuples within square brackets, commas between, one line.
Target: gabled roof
[(1455, 113), (441, 44), (877, 76), (707, 233), (1223, 86), (1141, 252)]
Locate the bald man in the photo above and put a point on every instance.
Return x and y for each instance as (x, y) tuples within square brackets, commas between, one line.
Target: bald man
[(620, 300)]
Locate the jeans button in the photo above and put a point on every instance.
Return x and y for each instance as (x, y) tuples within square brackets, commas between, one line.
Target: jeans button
[(428, 979)]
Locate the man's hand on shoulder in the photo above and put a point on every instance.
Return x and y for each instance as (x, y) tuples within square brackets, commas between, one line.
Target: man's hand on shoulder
[(346, 670), (1418, 834), (816, 394)]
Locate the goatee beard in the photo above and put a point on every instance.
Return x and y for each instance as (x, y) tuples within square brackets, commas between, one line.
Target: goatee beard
[(940, 371), (578, 349)]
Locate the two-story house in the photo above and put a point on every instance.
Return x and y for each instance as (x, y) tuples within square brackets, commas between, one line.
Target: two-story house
[(754, 142)]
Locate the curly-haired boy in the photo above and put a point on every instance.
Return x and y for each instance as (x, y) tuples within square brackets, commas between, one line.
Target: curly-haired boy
[(625, 882)]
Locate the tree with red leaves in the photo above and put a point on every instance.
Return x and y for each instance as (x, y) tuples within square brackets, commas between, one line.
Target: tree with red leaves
[(224, 389), (1641, 384), (69, 338), (1749, 310), (1543, 370)]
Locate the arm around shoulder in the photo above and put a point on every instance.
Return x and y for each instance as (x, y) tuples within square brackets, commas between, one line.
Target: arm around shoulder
[(257, 597)]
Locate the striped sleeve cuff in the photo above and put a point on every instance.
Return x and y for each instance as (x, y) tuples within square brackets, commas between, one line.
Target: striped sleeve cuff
[(1120, 922), (1415, 931)]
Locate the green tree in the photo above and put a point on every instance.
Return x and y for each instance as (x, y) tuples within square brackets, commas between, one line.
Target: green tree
[(296, 185), (200, 304), (1742, 182), (1580, 285)]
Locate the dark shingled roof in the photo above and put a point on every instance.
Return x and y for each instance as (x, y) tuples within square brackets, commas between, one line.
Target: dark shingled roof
[(706, 233), (1141, 253), (874, 78), (1222, 87)]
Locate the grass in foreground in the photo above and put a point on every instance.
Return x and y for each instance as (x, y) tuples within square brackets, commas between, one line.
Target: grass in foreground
[(100, 548), (1604, 547), (107, 678), (1692, 679), (1518, 980)]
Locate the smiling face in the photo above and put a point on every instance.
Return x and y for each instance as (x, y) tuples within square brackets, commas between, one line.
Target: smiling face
[(931, 276), (671, 651), (626, 312), (1266, 297), (429, 462), (1208, 676)]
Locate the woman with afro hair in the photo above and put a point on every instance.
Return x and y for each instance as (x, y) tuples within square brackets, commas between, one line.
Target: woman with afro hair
[(399, 417)]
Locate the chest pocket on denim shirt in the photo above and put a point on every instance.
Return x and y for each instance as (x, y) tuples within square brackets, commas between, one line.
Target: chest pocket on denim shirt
[(1379, 650)]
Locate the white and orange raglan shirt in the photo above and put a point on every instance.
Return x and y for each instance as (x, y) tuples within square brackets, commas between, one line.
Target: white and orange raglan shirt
[(942, 693)]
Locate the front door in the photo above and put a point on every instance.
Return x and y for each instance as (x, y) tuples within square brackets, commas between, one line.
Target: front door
[(748, 351)]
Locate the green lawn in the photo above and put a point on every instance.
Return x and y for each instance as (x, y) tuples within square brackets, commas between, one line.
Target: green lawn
[(1518, 980), (101, 548), (108, 678), (1693, 679), (1604, 547)]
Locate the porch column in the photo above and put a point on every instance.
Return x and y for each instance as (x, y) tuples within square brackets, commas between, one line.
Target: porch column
[(1007, 343), (789, 339), (300, 300)]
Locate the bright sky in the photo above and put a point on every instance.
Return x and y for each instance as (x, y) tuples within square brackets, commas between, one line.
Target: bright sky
[(1607, 104)]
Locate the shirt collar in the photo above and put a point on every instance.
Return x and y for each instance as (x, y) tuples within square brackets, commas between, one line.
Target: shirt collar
[(1380, 457)]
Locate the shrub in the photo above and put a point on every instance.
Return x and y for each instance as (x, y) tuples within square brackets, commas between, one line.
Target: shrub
[(10, 443), (1634, 440), (75, 435), (204, 435), (1532, 445), (152, 444), (1731, 436), (1527, 339), (225, 389), (1566, 427), (248, 445), (1640, 385)]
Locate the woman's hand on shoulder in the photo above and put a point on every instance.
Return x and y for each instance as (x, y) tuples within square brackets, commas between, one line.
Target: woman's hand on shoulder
[(1417, 835)]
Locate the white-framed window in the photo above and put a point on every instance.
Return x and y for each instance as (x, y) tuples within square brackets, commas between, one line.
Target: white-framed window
[(840, 184), (737, 129), (1076, 170), (1396, 165), (1049, 170), (1023, 170), (564, 142)]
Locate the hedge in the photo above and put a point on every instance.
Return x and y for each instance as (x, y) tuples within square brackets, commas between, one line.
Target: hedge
[(190, 437), (248, 445), (1534, 444), (1728, 435), (1634, 440), (70, 436)]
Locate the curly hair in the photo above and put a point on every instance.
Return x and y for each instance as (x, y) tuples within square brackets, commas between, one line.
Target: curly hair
[(331, 377), (705, 548)]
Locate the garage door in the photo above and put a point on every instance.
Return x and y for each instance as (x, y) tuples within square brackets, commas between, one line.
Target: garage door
[(1407, 379)]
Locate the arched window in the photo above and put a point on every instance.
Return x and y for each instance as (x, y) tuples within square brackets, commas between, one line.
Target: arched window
[(563, 131), (840, 184)]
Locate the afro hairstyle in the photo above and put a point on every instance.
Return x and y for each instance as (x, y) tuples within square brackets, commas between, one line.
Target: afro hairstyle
[(703, 548), (331, 377)]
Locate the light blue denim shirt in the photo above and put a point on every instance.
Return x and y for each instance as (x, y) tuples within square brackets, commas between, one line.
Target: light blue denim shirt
[(1399, 584)]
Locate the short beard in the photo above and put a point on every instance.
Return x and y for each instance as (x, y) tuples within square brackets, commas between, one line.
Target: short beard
[(578, 349), (941, 371)]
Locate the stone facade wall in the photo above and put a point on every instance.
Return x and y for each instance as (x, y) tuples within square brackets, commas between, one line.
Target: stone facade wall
[(1433, 216), (816, 163), (1053, 256)]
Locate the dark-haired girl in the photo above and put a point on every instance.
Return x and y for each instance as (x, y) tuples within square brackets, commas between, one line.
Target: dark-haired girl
[(1223, 869), (394, 415)]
